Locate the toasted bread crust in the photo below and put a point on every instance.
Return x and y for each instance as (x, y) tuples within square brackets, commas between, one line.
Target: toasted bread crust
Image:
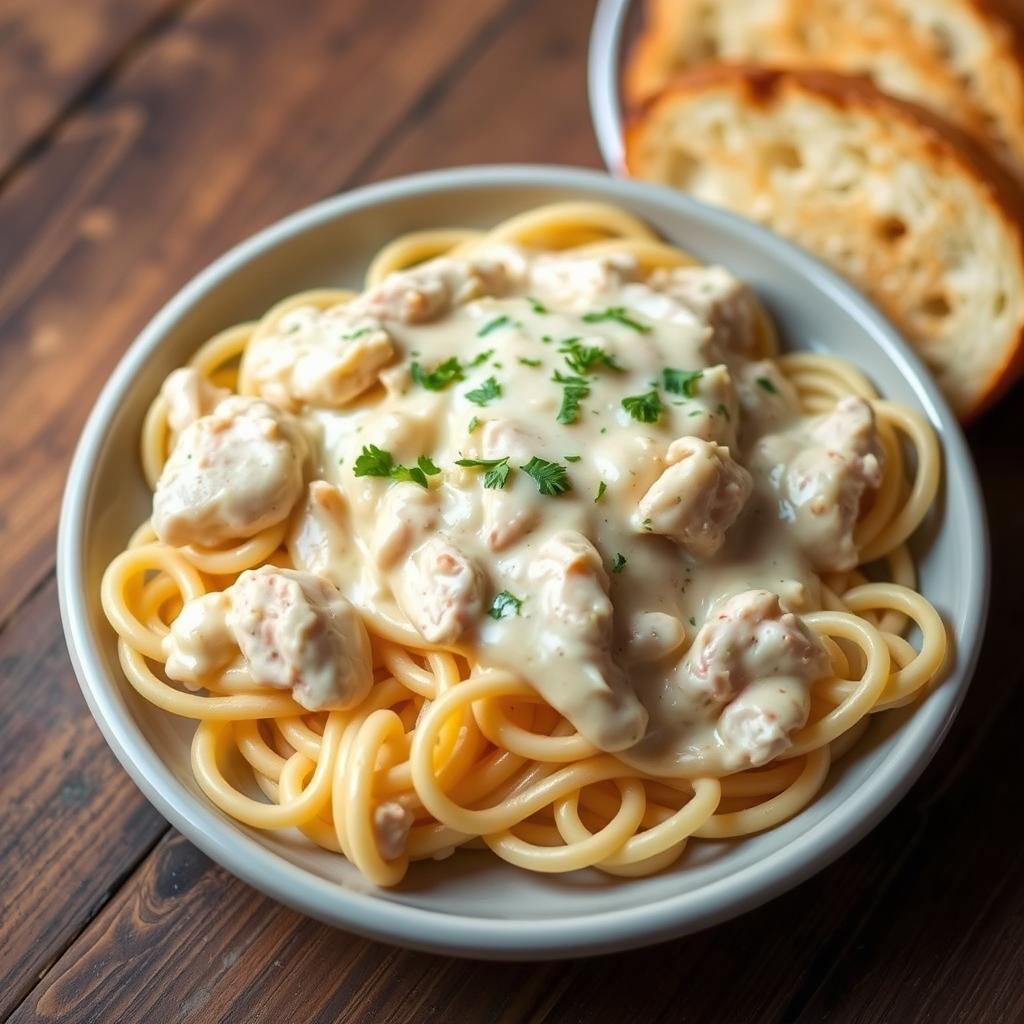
[(939, 143), (992, 110)]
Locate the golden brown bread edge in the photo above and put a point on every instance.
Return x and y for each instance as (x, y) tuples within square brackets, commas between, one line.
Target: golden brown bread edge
[(652, 59), (945, 141)]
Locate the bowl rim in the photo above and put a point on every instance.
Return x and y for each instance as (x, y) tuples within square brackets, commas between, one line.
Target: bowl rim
[(481, 937), (604, 51)]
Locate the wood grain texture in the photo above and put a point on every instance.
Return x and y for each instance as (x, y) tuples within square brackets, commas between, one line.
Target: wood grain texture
[(73, 824), (54, 52), (240, 113), (920, 922)]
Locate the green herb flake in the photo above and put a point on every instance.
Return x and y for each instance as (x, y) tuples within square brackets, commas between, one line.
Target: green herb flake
[(767, 385), (552, 478), (619, 563), (473, 424), (504, 605), (681, 382), (537, 306), (644, 408), (616, 314), (440, 377), (722, 411), (530, 362), (696, 412), (573, 458), (493, 325), (575, 390), (546, 339), (497, 471), (487, 392), (409, 474), (373, 461), (601, 488), (693, 621), (427, 466), (355, 335), (482, 358), (582, 358)]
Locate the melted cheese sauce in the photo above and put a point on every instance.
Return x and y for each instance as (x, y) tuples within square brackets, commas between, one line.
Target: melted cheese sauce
[(645, 578)]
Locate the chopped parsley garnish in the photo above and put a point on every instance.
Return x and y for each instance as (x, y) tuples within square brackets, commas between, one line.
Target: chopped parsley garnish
[(696, 412), (581, 358), (681, 382), (497, 470), (552, 478), (722, 411), (619, 563), (601, 488), (530, 362), (575, 390), (482, 358), (504, 605), (546, 338), (536, 305), (646, 524), (473, 424), (764, 382), (573, 458), (494, 325), (353, 335), (693, 621), (617, 314), (440, 377), (374, 461), (644, 408), (489, 390)]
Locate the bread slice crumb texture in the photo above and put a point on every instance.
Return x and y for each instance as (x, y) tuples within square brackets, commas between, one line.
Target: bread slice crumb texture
[(909, 209)]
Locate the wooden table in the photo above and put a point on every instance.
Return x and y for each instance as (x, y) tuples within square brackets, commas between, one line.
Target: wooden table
[(139, 139)]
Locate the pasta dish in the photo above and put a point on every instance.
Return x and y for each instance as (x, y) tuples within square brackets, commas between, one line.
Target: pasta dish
[(536, 544)]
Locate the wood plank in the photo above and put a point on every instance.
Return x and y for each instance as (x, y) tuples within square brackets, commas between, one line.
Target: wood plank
[(74, 825), (185, 941), (521, 99), (54, 52), (144, 187)]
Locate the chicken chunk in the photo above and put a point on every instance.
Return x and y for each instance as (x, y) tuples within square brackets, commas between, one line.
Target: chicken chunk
[(758, 725), (714, 399), (823, 478), (766, 397), (231, 474), (200, 644), (717, 299), (696, 499), (440, 590), (506, 516), (319, 539), (391, 825), (652, 636), (572, 595), (582, 282), (319, 358), (189, 395), (748, 638), (406, 516), (297, 632), (426, 292)]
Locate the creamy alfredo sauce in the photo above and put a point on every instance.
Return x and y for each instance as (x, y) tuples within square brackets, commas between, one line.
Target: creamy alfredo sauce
[(649, 512)]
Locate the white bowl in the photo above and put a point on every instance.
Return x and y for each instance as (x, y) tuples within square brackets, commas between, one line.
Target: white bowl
[(472, 903)]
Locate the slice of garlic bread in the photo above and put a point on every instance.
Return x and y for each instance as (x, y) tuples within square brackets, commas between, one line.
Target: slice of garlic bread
[(911, 210), (961, 58)]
